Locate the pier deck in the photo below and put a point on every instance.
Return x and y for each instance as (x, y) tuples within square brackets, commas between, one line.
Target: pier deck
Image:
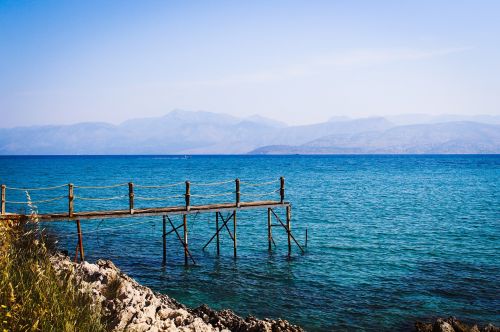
[(165, 211)]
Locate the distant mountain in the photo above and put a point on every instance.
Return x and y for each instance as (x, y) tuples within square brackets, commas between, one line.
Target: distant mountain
[(451, 137), (185, 132)]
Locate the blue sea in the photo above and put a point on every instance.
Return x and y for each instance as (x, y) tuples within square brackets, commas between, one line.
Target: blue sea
[(391, 239)]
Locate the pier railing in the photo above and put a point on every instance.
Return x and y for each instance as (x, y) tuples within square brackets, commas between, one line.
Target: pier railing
[(128, 191)]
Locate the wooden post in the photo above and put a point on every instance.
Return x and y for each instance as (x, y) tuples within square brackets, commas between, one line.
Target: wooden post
[(80, 240), (288, 217), (164, 236), (269, 231), (217, 230), (237, 192), (131, 197), (71, 197), (185, 238), (282, 189), (188, 195), (2, 206), (306, 237), (234, 232)]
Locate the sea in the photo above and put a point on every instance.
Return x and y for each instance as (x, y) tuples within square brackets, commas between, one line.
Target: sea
[(391, 239)]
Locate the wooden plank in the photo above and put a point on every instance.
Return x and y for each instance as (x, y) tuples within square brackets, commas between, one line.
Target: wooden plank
[(2, 206), (155, 211)]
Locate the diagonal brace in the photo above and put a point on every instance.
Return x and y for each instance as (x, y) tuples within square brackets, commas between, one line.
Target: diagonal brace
[(224, 223), (180, 239), (288, 231)]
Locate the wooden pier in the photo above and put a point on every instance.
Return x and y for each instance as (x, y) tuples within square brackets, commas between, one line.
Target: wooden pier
[(221, 223)]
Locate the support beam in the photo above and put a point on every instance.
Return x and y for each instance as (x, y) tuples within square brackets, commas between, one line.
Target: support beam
[(234, 233), (217, 231), (289, 231), (164, 237), (180, 240), (184, 217), (284, 226), (2, 206), (71, 197), (217, 234), (269, 231), (80, 240), (131, 197)]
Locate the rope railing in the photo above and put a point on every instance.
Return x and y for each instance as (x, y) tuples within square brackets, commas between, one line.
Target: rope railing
[(100, 198), (159, 186), (261, 194), (158, 198), (102, 187), (209, 184), (36, 189), (72, 197)]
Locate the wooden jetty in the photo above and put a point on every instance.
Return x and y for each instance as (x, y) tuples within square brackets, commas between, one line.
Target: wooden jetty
[(221, 223)]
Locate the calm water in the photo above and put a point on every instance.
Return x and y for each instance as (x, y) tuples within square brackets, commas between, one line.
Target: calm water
[(391, 238)]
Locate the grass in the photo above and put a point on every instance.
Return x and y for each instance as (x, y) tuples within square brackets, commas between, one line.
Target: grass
[(32, 296)]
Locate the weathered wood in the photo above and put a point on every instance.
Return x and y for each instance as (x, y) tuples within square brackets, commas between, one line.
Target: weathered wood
[(306, 237), (131, 197), (3, 197), (237, 181), (284, 226), (154, 211), (71, 198), (218, 230), (234, 233), (164, 238), (188, 195), (184, 219), (282, 189), (288, 229), (269, 230), (80, 240), (180, 239)]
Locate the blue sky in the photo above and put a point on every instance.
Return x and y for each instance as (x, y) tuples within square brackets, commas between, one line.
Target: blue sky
[(297, 61)]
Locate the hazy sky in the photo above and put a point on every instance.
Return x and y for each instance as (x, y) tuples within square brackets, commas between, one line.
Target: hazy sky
[(297, 61)]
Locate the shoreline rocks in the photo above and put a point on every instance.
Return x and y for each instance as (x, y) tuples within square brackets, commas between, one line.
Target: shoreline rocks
[(128, 306), (452, 324)]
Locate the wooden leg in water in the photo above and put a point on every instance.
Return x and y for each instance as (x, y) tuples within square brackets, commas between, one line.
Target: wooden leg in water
[(269, 231), (217, 229), (185, 240), (306, 237), (234, 233), (80, 241), (288, 217), (164, 237)]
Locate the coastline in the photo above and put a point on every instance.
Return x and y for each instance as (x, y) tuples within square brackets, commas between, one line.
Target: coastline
[(128, 306)]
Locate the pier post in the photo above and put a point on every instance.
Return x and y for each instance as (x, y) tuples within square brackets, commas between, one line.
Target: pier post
[(237, 192), (186, 253), (71, 197), (269, 231), (306, 237), (187, 195), (2, 206), (164, 237), (234, 233), (131, 197), (288, 225), (217, 230), (80, 240), (282, 189)]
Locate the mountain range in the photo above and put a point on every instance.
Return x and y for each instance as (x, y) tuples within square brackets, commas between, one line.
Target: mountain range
[(199, 132)]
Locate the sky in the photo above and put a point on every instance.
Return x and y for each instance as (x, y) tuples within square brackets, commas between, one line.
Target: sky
[(299, 62)]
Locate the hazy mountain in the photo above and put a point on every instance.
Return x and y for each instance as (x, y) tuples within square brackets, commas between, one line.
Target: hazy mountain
[(452, 137), (184, 132)]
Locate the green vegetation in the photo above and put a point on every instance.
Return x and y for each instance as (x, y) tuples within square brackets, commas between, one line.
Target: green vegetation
[(32, 296)]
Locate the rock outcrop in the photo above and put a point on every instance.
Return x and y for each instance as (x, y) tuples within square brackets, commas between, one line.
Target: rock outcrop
[(452, 324), (129, 306)]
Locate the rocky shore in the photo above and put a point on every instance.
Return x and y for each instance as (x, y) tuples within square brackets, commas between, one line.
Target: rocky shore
[(452, 324), (128, 306)]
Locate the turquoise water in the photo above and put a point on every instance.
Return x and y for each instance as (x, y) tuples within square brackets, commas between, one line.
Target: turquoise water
[(391, 238)]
